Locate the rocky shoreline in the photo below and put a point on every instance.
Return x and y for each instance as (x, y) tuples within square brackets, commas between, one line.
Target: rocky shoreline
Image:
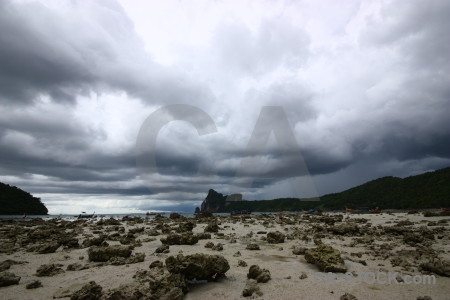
[(225, 257)]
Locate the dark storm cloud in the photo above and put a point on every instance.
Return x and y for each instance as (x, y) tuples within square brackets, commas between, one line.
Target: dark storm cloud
[(392, 119), (95, 49)]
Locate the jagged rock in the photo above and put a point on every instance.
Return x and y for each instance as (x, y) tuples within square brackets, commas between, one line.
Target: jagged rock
[(136, 230), (175, 216), (251, 287), (296, 250), (242, 263), (133, 291), (252, 247), (8, 278), (153, 232), (48, 248), (136, 258), (34, 285), (110, 221), (49, 270), (303, 276), (212, 227), (68, 241), (209, 245), (326, 258), (346, 228), (348, 296), (275, 237), (260, 275), (90, 291), (167, 286), (103, 254), (441, 268), (203, 236), (217, 247), (164, 248), (180, 239), (98, 241), (204, 214), (237, 254), (6, 264), (198, 266), (156, 264), (76, 267), (185, 227), (413, 238)]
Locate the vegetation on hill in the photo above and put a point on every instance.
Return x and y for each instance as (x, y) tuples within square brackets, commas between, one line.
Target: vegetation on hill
[(14, 201), (428, 190)]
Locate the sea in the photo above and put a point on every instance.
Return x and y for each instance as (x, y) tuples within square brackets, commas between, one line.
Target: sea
[(120, 216)]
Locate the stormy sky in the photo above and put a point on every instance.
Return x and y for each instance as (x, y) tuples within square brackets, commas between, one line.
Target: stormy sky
[(265, 98)]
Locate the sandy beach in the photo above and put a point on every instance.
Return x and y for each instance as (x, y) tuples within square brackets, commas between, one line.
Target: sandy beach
[(370, 245)]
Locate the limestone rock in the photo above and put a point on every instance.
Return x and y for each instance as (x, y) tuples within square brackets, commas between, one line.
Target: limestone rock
[(49, 270), (180, 239), (326, 258), (198, 266), (90, 291), (34, 285), (103, 254), (8, 278), (260, 275), (252, 247), (251, 287), (275, 237)]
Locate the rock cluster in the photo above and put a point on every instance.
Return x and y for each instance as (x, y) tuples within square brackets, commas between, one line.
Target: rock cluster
[(198, 266), (103, 254), (180, 239), (275, 237), (260, 275)]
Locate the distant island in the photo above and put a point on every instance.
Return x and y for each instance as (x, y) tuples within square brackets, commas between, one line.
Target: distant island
[(427, 190), (14, 201)]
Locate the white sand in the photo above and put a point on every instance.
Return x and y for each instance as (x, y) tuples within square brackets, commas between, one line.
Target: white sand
[(280, 263)]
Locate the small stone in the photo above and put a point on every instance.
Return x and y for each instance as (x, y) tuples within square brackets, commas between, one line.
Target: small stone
[(34, 284), (90, 291), (49, 270), (164, 248), (156, 264), (218, 247), (303, 276), (348, 296), (252, 247), (242, 263), (209, 245)]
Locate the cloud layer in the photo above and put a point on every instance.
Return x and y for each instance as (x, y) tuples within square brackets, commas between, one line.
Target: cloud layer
[(364, 87)]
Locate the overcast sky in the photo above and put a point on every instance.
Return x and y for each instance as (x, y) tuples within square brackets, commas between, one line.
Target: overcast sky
[(364, 87)]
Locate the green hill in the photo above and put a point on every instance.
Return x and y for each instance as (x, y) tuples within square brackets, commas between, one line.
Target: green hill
[(14, 201), (428, 190)]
